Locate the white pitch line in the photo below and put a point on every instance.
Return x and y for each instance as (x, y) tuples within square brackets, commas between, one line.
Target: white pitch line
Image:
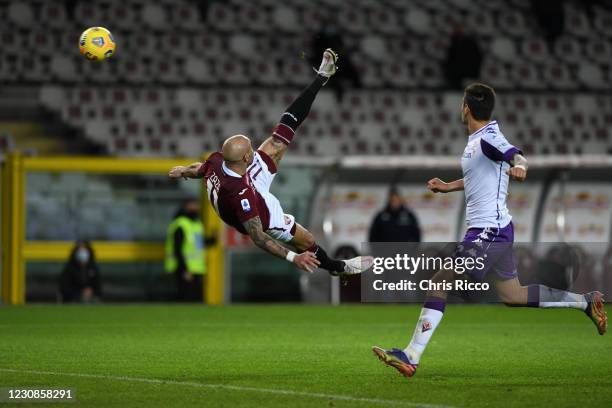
[(232, 388)]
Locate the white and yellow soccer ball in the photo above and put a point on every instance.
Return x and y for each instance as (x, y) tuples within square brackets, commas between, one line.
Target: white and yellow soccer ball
[(97, 44)]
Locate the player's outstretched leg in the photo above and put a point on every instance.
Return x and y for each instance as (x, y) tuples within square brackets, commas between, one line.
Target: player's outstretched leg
[(303, 241), (513, 294), (407, 360)]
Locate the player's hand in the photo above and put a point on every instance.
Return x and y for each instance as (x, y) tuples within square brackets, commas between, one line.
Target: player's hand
[(177, 172), (517, 173), (306, 261), (437, 186)]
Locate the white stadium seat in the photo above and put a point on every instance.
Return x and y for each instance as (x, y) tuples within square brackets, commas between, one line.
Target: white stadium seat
[(21, 14)]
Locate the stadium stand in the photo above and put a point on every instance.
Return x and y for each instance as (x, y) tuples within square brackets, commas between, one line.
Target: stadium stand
[(164, 92)]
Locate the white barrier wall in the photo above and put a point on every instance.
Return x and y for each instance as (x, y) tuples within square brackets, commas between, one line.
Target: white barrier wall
[(588, 213), (523, 204), (351, 208)]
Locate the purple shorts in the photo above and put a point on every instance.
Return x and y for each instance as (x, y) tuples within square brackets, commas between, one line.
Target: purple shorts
[(493, 248)]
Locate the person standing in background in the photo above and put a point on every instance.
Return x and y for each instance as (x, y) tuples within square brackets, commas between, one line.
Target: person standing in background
[(80, 280), (396, 222), (463, 58), (184, 257), (349, 76)]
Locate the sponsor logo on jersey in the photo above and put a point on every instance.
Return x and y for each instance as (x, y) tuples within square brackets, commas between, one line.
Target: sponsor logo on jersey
[(470, 151), (246, 206), (243, 190)]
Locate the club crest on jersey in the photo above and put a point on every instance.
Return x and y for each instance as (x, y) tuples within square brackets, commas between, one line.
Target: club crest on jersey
[(426, 326), (246, 206)]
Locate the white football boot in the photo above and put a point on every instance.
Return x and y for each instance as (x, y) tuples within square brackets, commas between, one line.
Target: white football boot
[(355, 266), (328, 64)]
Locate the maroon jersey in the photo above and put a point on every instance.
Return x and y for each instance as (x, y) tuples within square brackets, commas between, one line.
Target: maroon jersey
[(233, 196)]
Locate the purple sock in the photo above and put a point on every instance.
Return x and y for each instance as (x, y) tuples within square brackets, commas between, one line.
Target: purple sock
[(435, 303)]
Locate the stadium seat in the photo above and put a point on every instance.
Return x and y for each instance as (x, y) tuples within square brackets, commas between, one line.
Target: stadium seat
[(398, 74), (504, 49), (199, 71), (386, 21), (21, 14), (34, 69), (52, 96), (88, 14), (243, 45), (598, 50), (568, 49), (418, 21), (63, 68), (166, 71), (297, 73), (102, 73), (535, 49), (286, 19), (353, 20), (559, 77), (176, 44), (122, 17), (374, 47), (481, 22), (591, 76), (526, 76), (53, 14), (155, 16), (495, 73), (186, 16), (513, 23), (577, 23), (221, 17)]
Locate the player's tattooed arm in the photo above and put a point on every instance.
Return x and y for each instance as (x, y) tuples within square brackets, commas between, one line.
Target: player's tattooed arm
[(438, 186), (262, 240), (186, 172), (274, 148), (518, 171), (306, 261)]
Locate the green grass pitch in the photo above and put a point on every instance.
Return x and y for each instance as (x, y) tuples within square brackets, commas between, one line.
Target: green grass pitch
[(303, 356)]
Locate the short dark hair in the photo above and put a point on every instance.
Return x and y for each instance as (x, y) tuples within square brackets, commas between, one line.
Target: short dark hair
[(480, 98)]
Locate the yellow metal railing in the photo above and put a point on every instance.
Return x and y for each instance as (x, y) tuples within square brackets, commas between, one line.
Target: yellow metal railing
[(16, 251)]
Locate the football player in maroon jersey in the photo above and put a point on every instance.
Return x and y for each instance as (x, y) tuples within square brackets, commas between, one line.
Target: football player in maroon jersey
[(238, 180)]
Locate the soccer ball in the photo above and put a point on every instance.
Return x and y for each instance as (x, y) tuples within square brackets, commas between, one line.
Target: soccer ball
[(97, 44)]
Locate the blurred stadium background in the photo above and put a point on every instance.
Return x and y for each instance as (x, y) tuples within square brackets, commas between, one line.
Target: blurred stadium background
[(85, 147)]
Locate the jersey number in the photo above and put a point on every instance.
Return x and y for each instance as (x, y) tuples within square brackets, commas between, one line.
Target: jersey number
[(213, 195)]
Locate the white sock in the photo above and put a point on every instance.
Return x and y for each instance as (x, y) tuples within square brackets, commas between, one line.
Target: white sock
[(428, 321), (551, 297)]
